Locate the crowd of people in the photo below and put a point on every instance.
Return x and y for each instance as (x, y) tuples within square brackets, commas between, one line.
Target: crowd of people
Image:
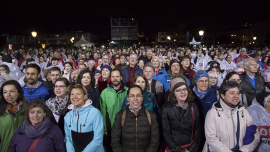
[(183, 99)]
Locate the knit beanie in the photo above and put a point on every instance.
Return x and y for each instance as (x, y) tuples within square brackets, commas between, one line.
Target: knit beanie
[(106, 67), (200, 74), (174, 82), (174, 61)]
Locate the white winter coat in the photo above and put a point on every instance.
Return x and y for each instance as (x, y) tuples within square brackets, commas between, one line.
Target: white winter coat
[(220, 131)]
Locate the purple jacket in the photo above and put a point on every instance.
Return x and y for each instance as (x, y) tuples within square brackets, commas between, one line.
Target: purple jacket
[(51, 141)]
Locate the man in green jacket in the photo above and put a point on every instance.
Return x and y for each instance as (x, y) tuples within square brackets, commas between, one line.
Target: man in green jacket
[(111, 100)]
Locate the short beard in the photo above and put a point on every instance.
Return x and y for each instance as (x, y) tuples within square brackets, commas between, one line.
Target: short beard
[(34, 82), (116, 84)]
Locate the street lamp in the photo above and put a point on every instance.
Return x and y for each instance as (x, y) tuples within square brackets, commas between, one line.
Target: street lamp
[(169, 38), (201, 32), (254, 38), (34, 34)]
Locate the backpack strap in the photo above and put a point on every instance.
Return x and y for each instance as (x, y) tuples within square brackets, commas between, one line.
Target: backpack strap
[(123, 118), (148, 116)]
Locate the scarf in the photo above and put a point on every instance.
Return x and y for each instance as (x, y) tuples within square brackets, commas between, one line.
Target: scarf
[(131, 74), (156, 71), (88, 87), (119, 89), (135, 111), (183, 107), (34, 132), (58, 106), (201, 95), (231, 105), (13, 109), (188, 73)]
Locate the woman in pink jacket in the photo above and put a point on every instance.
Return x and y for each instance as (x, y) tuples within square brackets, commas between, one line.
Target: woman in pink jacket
[(228, 125)]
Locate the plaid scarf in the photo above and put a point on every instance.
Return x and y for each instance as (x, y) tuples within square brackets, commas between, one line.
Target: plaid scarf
[(131, 75), (135, 111), (13, 109), (58, 106)]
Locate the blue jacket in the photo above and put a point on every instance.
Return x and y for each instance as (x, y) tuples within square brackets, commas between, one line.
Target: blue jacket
[(149, 101), (206, 103), (261, 64), (125, 73), (41, 92), (83, 120), (162, 77)]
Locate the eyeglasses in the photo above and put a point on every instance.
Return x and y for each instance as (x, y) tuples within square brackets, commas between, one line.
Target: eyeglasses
[(201, 81), (238, 80), (60, 86), (133, 97), (212, 77), (182, 90)]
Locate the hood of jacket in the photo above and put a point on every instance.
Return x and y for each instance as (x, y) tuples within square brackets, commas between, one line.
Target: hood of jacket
[(86, 104)]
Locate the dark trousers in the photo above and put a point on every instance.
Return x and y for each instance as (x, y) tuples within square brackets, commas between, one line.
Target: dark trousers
[(107, 142)]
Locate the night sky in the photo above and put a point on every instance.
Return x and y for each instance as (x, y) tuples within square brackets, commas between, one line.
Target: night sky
[(94, 16)]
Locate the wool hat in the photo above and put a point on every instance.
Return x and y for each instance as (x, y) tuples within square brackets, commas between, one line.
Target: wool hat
[(29, 60), (174, 61), (107, 67), (200, 74), (174, 82)]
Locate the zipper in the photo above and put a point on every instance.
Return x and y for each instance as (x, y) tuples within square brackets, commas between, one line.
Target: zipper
[(233, 127), (77, 122), (136, 134)]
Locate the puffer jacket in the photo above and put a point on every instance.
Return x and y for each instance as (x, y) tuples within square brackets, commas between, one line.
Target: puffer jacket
[(136, 135), (40, 92), (259, 86), (221, 127), (177, 127)]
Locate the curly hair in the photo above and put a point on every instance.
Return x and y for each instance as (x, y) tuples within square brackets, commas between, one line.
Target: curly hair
[(37, 103), (173, 99)]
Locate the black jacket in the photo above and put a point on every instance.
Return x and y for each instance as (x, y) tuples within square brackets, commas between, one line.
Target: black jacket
[(93, 94), (145, 59), (136, 135), (177, 127), (251, 92)]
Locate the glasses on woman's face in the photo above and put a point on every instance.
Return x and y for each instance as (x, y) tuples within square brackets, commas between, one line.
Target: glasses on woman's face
[(59, 86), (202, 81), (213, 78), (132, 97), (181, 90)]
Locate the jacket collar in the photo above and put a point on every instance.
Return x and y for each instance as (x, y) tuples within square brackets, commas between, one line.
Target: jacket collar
[(141, 112), (87, 103)]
